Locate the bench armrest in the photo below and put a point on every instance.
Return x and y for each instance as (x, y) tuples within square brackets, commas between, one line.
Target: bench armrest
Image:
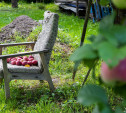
[(16, 44), (23, 53)]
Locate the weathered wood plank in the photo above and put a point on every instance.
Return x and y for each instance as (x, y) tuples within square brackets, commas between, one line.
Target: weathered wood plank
[(0, 50), (63, 1), (7, 77), (16, 44), (23, 53), (46, 72), (1, 76), (28, 76), (70, 8)]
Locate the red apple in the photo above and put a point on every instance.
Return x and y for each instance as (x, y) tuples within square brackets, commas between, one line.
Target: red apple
[(18, 58), (30, 59), (13, 58), (107, 74), (29, 63), (24, 63), (18, 62), (13, 62), (25, 58), (117, 73), (31, 56), (8, 60), (35, 62)]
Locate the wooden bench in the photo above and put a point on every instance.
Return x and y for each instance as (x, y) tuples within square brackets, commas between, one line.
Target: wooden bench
[(41, 51)]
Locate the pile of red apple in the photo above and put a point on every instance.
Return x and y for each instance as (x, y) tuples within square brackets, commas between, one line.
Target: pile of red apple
[(22, 61)]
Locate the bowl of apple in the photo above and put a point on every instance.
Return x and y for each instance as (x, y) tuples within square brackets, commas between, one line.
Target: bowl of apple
[(23, 61)]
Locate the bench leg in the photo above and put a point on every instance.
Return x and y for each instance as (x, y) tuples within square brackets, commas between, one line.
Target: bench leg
[(49, 79), (7, 88), (6, 78), (46, 72)]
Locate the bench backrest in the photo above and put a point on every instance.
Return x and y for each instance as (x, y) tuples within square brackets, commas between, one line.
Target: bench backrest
[(47, 37)]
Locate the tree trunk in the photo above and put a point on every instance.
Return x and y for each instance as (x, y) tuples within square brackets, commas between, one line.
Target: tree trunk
[(14, 3)]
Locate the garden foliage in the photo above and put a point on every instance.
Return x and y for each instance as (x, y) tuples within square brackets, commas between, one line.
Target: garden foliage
[(108, 46)]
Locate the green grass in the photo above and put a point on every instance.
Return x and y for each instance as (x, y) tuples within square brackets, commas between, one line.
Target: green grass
[(33, 96)]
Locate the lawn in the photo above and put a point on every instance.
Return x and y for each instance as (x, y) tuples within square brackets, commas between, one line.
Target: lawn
[(35, 97)]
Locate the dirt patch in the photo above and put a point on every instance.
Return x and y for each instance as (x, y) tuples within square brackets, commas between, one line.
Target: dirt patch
[(63, 48), (22, 26)]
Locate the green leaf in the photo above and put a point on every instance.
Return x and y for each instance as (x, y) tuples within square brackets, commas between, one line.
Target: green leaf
[(99, 39), (96, 109), (109, 37), (91, 38), (124, 102), (104, 109), (107, 29), (84, 52), (92, 94), (122, 53), (108, 53), (118, 110), (111, 54), (115, 35), (119, 32), (107, 110), (107, 22)]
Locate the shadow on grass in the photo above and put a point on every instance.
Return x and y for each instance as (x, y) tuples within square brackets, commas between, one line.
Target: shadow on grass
[(34, 95)]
